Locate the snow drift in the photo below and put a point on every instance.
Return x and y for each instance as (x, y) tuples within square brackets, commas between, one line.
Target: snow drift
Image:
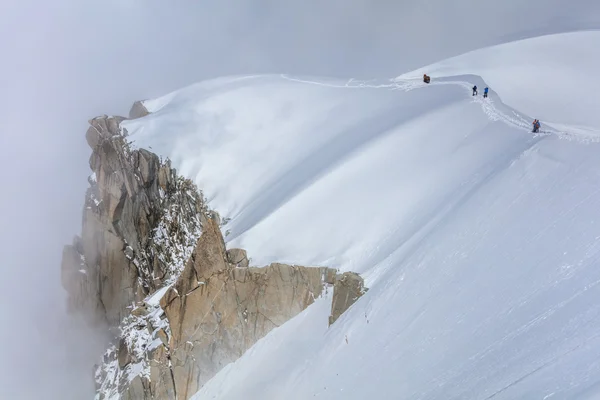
[(478, 239)]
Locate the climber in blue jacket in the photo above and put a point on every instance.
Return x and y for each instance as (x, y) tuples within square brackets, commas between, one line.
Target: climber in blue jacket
[(485, 92)]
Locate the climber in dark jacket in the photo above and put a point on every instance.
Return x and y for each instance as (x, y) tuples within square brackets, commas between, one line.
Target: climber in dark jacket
[(475, 90)]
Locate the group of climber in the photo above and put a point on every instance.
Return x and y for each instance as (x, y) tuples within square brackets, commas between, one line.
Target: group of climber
[(536, 122), (485, 91)]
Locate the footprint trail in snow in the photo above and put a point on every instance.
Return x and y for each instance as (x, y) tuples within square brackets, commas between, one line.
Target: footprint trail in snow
[(501, 112)]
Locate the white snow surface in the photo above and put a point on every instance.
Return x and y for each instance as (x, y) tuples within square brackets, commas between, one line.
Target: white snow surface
[(552, 77), (480, 241)]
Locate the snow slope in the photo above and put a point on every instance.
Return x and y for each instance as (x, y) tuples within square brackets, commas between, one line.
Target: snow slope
[(478, 239), (553, 76)]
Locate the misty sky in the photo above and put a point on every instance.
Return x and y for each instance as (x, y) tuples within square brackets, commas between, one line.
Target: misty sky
[(65, 61)]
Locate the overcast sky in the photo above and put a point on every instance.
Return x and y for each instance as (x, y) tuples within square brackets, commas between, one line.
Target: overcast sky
[(65, 61)]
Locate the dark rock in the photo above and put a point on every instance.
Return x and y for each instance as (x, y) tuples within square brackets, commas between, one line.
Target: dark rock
[(138, 110), (124, 355), (329, 276), (347, 289), (148, 165)]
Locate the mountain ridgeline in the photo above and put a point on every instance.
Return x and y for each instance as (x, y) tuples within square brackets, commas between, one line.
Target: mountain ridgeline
[(151, 267)]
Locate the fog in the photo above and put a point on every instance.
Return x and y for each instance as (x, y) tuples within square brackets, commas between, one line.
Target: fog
[(66, 61)]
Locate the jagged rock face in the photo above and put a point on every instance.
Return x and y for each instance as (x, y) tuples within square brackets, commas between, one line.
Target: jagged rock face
[(118, 259), (138, 110), (151, 260), (347, 289), (217, 311), (238, 257), (208, 318)]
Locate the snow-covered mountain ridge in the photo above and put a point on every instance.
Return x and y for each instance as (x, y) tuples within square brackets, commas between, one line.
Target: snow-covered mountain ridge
[(484, 283), (232, 130), (477, 238)]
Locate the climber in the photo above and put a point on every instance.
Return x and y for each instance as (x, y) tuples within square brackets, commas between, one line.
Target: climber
[(485, 92), (475, 90), (426, 78), (536, 126)]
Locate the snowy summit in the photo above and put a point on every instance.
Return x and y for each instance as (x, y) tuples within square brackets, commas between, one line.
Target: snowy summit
[(479, 240)]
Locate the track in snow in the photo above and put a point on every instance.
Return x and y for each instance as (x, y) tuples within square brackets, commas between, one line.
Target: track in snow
[(494, 111)]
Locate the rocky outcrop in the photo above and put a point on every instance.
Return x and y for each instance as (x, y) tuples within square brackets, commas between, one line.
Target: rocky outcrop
[(208, 318), (217, 311), (348, 288), (152, 265), (135, 207), (238, 257), (138, 110)]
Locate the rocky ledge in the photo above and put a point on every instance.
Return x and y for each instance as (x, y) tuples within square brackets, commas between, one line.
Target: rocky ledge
[(151, 266)]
